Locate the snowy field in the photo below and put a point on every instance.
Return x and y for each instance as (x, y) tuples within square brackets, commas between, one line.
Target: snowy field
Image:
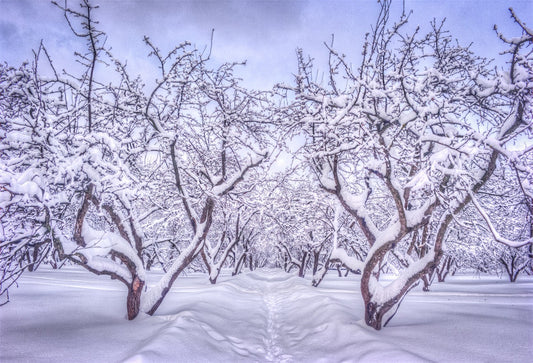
[(73, 316)]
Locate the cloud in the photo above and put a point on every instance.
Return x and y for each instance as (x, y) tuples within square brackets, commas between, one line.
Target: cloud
[(264, 32)]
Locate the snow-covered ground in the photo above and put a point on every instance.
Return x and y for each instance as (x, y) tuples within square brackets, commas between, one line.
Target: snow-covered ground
[(73, 316)]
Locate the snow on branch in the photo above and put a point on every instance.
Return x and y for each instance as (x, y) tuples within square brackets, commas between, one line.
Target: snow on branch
[(350, 262), (224, 187), (495, 233), (528, 36)]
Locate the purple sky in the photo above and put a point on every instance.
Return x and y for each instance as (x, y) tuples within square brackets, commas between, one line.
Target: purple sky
[(263, 32)]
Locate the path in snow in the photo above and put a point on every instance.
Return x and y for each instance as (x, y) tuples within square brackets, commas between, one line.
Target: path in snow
[(245, 318), (292, 315), (275, 338), (272, 342), (270, 316), (263, 316)]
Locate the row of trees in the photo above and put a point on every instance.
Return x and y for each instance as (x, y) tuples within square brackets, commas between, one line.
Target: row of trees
[(423, 146)]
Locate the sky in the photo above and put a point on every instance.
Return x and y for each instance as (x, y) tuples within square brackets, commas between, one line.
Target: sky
[(265, 33)]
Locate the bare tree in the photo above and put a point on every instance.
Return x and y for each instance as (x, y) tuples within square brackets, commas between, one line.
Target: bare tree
[(107, 175), (405, 142)]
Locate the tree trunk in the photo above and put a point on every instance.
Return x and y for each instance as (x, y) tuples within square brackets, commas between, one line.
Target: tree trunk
[(427, 282), (445, 268), (176, 271), (149, 264), (238, 266), (376, 310), (320, 274), (529, 203), (509, 267), (188, 256), (316, 262), (301, 271), (133, 303), (213, 279), (375, 313), (251, 262)]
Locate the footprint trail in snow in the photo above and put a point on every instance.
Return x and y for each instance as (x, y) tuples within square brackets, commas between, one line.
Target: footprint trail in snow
[(274, 334)]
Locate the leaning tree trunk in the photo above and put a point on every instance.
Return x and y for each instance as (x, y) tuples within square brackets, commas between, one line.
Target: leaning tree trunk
[(301, 270), (444, 268), (157, 294), (239, 265), (379, 312), (319, 275), (382, 303)]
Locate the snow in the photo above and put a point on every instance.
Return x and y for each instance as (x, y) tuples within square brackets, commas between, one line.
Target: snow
[(349, 261), (263, 316), (495, 233), (228, 184), (382, 294), (100, 243), (419, 181)]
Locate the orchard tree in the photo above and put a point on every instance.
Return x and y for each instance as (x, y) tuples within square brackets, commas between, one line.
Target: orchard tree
[(113, 178), (407, 140)]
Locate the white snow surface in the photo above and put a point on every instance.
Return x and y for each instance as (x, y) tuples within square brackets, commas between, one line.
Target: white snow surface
[(263, 316)]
